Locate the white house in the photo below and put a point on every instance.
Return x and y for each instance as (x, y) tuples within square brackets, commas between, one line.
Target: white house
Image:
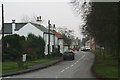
[(52, 41), (23, 29), (58, 41), (66, 48)]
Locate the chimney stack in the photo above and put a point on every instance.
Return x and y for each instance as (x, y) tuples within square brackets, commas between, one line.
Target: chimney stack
[(13, 21), (13, 26), (39, 19), (54, 27)]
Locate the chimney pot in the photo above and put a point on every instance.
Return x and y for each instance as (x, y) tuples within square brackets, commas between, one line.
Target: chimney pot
[(39, 19), (13, 21)]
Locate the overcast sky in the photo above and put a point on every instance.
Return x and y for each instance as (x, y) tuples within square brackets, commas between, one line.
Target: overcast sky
[(60, 12)]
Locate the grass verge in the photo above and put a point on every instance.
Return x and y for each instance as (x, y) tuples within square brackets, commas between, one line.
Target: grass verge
[(105, 65), (13, 66)]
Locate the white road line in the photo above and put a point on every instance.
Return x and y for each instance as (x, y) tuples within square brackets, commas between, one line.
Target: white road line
[(75, 63), (66, 68), (82, 57), (70, 66), (62, 71)]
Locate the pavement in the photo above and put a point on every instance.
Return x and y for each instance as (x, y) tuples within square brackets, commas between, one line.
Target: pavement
[(69, 69)]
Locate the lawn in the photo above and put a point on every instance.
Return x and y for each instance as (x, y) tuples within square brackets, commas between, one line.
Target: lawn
[(105, 65), (13, 66)]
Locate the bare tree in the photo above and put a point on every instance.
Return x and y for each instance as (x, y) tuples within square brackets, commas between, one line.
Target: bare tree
[(82, 8), (25, 18), (32, 18)]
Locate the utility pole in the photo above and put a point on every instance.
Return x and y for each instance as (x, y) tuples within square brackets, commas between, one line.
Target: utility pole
[(49, 37), (54, 37), (2, 22)]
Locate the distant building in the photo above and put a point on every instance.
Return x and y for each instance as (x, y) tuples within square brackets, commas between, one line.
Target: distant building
[(91, 43), (75, 44), (66, 48)]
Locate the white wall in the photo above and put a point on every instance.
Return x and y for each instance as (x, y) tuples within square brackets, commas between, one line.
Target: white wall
[(61, 45), (65, 48), (56, 42), (46, 42), (29, 28)]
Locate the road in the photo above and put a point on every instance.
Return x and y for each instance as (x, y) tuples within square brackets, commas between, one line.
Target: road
[(78, 68)]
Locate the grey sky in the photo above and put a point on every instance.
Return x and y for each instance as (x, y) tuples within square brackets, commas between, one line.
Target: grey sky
[(60, 13)]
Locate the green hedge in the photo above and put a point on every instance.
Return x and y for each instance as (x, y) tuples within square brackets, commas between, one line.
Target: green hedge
[(14, 46)]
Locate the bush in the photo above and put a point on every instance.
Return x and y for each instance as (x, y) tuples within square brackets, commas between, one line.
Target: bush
[(34, 47), (12, 49), (14, 46)]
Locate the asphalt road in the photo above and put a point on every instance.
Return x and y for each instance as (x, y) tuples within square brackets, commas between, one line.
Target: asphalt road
[(78, 68)]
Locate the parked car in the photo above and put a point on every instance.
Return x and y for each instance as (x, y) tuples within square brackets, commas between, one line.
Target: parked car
[(85, 48), (68, 55)]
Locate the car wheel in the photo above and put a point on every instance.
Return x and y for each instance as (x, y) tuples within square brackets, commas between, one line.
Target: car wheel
[(73, 58), (64, 59)]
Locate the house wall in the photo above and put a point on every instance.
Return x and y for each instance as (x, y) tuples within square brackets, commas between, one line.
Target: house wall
[(29, 28), (61, 45), (56, 42), (46, 42), (88, 44), (65, 48)]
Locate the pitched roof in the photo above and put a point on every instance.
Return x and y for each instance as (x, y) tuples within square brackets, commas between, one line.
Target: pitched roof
[(18, 26), (8, 27), (57, 34), (65, 44), (41, 27)]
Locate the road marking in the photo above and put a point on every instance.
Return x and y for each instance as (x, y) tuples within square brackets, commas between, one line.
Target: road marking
[(75, 63), (70, 66), (66, 68), (62, 70), (82, 57)]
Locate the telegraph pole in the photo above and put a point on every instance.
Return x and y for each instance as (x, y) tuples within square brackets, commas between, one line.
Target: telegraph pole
[(49, 37), (2, 22)]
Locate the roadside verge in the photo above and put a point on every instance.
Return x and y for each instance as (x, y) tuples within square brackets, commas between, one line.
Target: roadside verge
[(105, 66), (33, 68)]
